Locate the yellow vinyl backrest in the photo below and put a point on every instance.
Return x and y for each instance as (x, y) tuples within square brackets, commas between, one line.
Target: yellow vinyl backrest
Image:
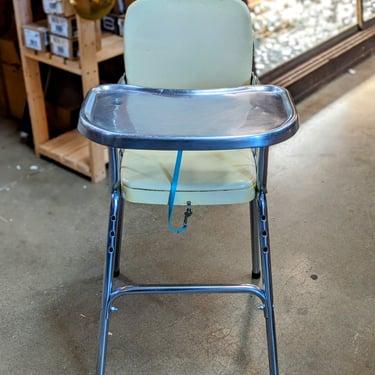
[(188, 44)]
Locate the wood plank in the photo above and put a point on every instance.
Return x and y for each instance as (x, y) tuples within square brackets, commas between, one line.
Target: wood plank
[(79, 160), (60, 140), (70, 149), (62, 145), (31, 73), (90, 78), (72, 66), (112, 45), (67, 148)]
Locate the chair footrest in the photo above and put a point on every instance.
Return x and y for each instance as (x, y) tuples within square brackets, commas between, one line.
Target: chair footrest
[(187, 288)]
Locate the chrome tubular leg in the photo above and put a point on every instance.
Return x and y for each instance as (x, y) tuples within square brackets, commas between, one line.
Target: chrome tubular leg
[(254, 229), (267, 284), (112, 252), (107, 282), (115, 160), (116, 271)]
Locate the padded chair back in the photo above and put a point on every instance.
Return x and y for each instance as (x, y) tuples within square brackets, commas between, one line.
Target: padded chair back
[(188, 44)]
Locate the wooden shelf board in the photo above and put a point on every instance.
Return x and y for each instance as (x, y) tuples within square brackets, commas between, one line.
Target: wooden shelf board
[(70, 149), (79, 160), (48, 58), (112, 46)]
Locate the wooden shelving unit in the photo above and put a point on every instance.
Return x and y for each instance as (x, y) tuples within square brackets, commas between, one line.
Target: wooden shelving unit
[(70, 149)]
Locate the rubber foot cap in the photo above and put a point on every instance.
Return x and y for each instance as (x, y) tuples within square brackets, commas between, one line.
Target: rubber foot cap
[(255, 275)]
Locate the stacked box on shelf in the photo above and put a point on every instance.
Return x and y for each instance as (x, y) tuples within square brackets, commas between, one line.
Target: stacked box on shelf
[(61, 7), (63, 99), (62, 87), (62, 25), (120, 23), (35, 36), (114, 21), (63, 35)]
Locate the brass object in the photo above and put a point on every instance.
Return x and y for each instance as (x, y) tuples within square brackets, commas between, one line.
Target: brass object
[(92, 9)]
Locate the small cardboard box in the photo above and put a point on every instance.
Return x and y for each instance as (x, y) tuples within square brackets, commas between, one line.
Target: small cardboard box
[(120, 23), (119, 7), (62, 7), (109, 23), (36, 36), (63, 26), (64, 47), (61, 119), (63, 98)]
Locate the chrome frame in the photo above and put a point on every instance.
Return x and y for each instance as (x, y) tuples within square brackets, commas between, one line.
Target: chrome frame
[(105, 118), (260, 249)]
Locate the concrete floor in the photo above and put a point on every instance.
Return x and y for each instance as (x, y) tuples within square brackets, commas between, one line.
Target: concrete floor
[(322, 208)]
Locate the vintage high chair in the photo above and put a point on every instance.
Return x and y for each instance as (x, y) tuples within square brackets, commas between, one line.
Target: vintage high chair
[(187, 128)]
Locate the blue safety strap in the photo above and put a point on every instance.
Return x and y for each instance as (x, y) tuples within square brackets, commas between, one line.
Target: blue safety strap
[(172, 194)]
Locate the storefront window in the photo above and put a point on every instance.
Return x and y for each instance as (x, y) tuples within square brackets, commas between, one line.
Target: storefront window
[(368, 9), (284, 29)]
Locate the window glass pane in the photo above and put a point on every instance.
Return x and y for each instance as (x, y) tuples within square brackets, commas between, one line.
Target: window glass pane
[(284, 29), (368, 9)]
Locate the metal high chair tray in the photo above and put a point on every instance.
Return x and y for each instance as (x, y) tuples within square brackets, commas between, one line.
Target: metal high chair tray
[(125, 116)]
